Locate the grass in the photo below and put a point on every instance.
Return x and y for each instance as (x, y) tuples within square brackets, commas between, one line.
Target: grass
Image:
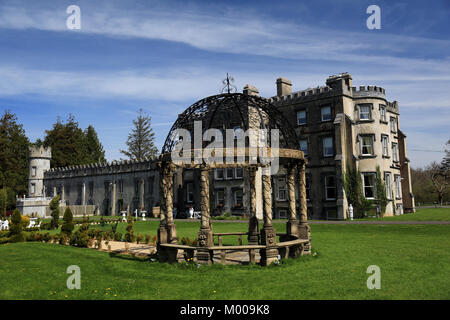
[(430, 214), (414, 262)]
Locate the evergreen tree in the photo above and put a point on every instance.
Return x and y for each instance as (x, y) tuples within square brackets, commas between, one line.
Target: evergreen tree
[(68, 143), (381, 197), (68, 225), (95, 152), (3, 202), (354, 192), (13, 155), (141, 140), (16, 229), (54, 207), (129, 236)]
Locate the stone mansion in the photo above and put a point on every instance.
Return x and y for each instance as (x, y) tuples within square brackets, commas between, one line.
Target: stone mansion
[(337, 125)]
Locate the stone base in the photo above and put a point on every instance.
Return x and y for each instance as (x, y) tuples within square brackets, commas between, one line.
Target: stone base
[(268, 238), (253, 231), (292, 228), (305, 233), (171, 233), (304, 230), (162, 234), (204, 240)]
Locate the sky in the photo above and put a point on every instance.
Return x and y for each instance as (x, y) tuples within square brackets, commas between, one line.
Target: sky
[(163, 56)]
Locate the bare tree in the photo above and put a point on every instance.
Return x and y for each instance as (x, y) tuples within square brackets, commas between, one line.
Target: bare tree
[(439, 176)]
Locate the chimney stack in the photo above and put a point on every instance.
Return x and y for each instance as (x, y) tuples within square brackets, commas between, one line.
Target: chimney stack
[(251, 90), (284, 86)]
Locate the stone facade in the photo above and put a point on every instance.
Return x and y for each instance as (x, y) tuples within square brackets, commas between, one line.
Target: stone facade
[(337, 126)]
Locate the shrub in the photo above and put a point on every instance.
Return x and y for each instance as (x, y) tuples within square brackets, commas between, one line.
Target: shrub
[(46, 237), (129, 236), (68, 225), (64, 238), (25, 221), (117, 236), (4, 240), (114, 227), (46, 226), (139, 238), (16, 229), (147, 238), (54, 207), (32, 229), (80, 238)]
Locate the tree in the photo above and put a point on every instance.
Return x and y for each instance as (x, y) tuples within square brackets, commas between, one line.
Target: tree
[(54, 207), (140, 142), (3, 202), (439, 176), (13, 155), (68, 225), (381, 197), (95, 152), (129, 236), (446, 160), (16, 229)]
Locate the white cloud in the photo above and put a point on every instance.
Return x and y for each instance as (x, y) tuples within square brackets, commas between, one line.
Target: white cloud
[(238, 32)]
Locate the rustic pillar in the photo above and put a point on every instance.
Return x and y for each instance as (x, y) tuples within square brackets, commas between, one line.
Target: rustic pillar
[(162, 231), (304, 228), (168, 189), (205, 237), (253, 229), (292, 224), (268, 233)]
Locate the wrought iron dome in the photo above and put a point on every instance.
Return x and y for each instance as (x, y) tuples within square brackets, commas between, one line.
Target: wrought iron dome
[(232, 110)]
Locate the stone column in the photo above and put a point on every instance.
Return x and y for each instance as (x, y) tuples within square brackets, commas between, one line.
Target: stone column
[(113, 198), (142, 195), (268, 233), (304, 228), (170, 226), (83, 194), (205, 237), (63, 194), (167, 230), (162, 231), (292, 224), (253, 229), (54, 192)]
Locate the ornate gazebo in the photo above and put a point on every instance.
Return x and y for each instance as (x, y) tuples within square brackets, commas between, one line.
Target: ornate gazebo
[(269, 139)]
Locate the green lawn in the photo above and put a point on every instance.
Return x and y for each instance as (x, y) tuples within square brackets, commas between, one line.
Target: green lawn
[(414, 262), (432, 214)]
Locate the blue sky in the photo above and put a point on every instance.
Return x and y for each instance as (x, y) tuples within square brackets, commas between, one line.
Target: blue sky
[(163, 56)]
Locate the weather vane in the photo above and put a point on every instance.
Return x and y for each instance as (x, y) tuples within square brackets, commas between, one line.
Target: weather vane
[(228, 86)]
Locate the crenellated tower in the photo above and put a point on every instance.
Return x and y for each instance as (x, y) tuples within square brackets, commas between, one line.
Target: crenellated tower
[(39, 162)]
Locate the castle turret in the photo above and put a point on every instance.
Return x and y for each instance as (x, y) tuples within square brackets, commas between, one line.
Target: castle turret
[(39, 162)]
